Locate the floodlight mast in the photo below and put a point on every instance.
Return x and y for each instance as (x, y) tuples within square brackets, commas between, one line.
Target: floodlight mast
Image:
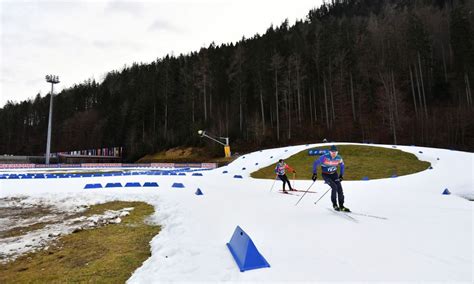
[(226, 145), (53, 80)]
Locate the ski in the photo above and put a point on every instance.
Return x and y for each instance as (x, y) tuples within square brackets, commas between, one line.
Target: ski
[(287, 192), (298, 190), (368, 215), (344, 214)]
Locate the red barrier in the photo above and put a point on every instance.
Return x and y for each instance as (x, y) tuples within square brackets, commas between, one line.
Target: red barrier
[(111, 165), (16, 166)]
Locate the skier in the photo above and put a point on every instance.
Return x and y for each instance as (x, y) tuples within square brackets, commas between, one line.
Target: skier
[(280, 168), (329, 163)]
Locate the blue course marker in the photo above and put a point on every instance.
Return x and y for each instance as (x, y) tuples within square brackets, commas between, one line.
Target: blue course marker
[(93, 185), (199, 192), (132, 184), (197, 174), (113, 184), (365, 178), (446, 192), (237, 176), (178, 185), (150, 184), (224, 172), (244, 251)]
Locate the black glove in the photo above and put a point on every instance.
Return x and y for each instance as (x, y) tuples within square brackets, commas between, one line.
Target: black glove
[(341, 177), (314, 177)]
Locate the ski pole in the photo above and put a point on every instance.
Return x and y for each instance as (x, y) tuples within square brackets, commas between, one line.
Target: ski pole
[(273, 183), (321, 196), (304, 193), (294, 178)]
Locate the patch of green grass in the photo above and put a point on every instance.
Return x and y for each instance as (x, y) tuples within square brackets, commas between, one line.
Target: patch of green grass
[(107, 254), (359, 161), (19, 231), (187, 155)]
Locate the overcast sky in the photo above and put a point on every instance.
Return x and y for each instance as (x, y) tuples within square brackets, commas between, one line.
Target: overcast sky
[(77, 40)]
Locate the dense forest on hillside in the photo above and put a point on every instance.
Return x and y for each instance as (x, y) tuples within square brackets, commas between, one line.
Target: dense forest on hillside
[(365, 71)]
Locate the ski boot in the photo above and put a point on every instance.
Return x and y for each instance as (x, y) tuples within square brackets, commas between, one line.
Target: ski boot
[(344, 209), (292, 189), (285, 191), (336, 207)]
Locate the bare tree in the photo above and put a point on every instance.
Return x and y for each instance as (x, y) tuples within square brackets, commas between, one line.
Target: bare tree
[(422, 86), (275, 65), (235, 74), (202, 78), (468, 90), (326, 102), (352, 98), (413, 90)]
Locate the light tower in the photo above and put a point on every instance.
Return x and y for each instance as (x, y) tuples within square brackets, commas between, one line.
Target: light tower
[(53, 80), (226, 145)]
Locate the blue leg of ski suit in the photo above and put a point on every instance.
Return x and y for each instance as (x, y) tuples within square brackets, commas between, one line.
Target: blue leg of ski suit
[(335, 184)]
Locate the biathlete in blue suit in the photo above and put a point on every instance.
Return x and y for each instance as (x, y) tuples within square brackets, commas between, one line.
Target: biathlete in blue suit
[(329, 163)]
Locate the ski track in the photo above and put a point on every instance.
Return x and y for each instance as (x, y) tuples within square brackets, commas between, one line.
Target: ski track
[(427, 236)]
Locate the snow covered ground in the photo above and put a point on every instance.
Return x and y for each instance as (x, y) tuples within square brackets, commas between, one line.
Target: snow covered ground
[(427, 236)]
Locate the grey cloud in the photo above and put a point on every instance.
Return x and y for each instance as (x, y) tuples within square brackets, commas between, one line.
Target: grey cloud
[(106, 44), (130, 7), (159, 25), (44, 39)]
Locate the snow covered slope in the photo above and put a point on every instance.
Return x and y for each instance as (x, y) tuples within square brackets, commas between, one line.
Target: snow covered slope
[(427, 236)]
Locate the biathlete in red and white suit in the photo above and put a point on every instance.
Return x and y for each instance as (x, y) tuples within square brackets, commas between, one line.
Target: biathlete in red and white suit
[(280, 169)]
